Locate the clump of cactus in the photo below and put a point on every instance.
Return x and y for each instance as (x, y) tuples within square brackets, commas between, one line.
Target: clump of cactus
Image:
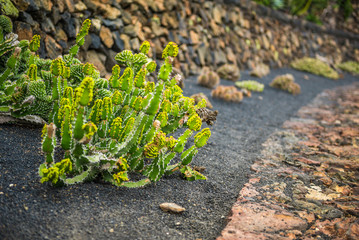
[(229, 72), (250, 85), (260, 70), (286, 83), (350, 66), (111, 128), (315, 66), (31, 85), (208, 78), (106, 127), (227, 93)]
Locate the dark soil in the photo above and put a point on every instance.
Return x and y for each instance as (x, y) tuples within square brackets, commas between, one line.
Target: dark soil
[(31, 210)]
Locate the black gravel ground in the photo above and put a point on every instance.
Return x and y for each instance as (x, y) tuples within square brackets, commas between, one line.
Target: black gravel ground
[(31, 210)]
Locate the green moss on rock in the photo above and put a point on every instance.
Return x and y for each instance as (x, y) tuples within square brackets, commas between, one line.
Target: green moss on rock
[(315, 66), (8, 9), (350, 66)]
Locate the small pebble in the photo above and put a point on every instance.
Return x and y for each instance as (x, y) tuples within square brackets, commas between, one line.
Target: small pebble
[(111, 230), (337, 122)]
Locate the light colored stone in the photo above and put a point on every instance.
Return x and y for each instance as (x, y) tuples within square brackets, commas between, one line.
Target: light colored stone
[(126, 41), (112, 13), (171, 207), (52, 47), (194, 37), (80, 6), (106, 36), (217, 14), (96, 23)]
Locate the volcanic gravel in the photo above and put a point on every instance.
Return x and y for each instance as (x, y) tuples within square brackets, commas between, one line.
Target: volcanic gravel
[(95, 210)]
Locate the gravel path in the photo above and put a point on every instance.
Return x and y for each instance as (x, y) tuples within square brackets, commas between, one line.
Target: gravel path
[(31, 210)]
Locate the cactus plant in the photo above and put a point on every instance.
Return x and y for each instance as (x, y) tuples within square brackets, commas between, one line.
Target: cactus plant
[(129, 130), (30, 85), (250, 85), (260, 70), (208, 78), (349, 66), (286, 83), (227, 93), (315, 66), (106, 128), (229, 71)]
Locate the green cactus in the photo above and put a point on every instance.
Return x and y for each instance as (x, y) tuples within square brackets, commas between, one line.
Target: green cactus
[(49, 142), (34, 43), (151, 66), (191, 175), (80, 39), (315, 66), (350, 66), (124, 57), (250, 85), (8, 43), (107, 128), (201, 138), (145, 47), (34, 85), (170, 50)]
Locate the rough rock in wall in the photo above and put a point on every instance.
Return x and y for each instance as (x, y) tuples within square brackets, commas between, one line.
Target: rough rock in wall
[(209, 33)]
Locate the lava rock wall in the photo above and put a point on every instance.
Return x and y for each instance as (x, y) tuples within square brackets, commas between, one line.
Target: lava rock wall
[(209, 33)]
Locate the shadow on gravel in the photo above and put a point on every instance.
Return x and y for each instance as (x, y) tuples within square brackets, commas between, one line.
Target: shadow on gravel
[(30, 210)]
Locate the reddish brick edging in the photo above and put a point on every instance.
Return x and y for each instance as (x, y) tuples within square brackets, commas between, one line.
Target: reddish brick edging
[(307, 184)]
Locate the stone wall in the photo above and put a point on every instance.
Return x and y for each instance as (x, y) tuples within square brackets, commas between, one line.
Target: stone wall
[(209, 33)]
